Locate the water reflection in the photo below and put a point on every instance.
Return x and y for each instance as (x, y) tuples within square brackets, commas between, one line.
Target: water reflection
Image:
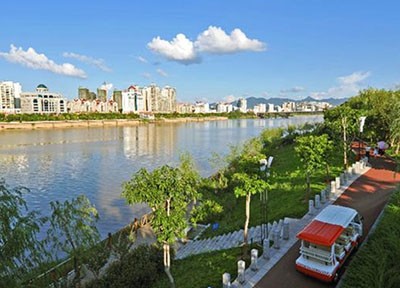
[(60, 164)]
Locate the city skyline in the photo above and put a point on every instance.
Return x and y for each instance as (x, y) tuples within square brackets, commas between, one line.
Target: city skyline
[(209, 50)]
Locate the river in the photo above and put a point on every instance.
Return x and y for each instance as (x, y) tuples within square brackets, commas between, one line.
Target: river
[(59, 164)]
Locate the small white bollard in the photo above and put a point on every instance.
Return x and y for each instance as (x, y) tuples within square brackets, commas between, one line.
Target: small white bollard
[(354, 169), (266, 249), (241, 268), (349, 172), (333, 187), (254, 260), (337, 181), (310, 207), (226, 280), (285, 234), (317, 202), (343, 178), (276, 239), (323, 196)]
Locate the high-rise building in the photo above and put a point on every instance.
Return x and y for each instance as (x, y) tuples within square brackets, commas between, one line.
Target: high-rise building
[(117, 97), (43, 101), (242, 105), (167, 103), (10, 97), (83, 93), (102, 94)]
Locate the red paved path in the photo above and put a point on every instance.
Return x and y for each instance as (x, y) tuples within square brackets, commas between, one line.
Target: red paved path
[(368, 194)]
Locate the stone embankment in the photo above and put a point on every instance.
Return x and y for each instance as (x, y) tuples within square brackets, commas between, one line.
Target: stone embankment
[(31, 125)]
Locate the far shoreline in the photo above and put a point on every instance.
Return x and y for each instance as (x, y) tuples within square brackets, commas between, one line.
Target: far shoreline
[(35, 125)]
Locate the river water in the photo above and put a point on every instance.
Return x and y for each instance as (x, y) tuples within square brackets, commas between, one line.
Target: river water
[(60, 164)]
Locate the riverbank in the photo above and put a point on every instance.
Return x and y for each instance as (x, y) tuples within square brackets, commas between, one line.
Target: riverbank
[(32, 125)]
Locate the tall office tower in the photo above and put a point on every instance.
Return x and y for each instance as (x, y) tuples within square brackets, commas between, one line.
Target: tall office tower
[(10, 96), (117, 97), (83, 93), (102, 94)]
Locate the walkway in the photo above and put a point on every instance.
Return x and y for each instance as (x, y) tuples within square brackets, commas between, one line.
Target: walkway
[(368, 194)]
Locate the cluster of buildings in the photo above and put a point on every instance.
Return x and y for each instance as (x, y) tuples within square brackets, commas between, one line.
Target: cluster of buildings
[(135, 99)]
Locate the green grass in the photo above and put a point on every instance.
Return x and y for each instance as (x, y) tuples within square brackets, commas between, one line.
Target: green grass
[(286, 197), (204, 270), (377, 264)]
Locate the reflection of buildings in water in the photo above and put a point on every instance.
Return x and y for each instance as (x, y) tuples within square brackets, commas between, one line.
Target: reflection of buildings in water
[(151, 139), (18, 162)]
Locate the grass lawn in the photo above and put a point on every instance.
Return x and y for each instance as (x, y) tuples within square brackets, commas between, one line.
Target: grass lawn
[(286, 197), (204, 270)]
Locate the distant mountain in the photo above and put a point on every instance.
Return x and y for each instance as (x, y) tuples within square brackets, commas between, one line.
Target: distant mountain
[(252, 101)]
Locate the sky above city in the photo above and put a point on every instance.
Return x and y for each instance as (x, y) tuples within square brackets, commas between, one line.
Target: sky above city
[(208, 50)]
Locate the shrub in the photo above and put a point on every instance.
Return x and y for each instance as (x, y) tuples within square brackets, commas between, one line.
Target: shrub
[(137, 269)]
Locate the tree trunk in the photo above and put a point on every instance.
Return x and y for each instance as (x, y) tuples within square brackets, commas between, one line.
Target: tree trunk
[(246, 223), (344, 126), (397, 148), (167, 265), (77, 278), (308, 191), (327, 173)]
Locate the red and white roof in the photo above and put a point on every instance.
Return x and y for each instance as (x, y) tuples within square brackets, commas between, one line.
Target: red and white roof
[(327, 225)]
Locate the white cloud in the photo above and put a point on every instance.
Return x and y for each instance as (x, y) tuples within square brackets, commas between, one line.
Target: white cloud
[(106, 86), (180, 49), (296, 89), (229, 98), (142, 59), (354, 78), (265, 94), (99, 63), (349, 85), (31, 59), (162, 72), (215, 40), (146, 75)]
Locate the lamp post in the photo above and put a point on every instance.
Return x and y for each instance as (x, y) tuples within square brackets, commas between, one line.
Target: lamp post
[(264, 168), (362, 122)]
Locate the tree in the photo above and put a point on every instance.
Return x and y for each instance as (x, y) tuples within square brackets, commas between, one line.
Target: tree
[(248, 185), (73, 229), (19, 247), (247, 178), (342, 123), (168, 191), (312, 151)]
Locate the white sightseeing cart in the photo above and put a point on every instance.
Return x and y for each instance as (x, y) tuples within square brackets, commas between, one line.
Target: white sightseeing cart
[(327, 242)]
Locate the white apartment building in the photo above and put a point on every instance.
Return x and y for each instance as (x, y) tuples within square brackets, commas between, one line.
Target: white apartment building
[(271, 108), (224, 107), (201, 107), (10, 93), (242, 105), (260, 108), (43, 101), (134, 101), (86, 106)]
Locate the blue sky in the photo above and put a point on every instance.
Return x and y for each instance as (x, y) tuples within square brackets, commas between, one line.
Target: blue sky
[(208, 50)]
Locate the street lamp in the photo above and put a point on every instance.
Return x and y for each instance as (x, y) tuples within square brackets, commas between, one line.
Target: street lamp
[(264, 168), (362, 122)]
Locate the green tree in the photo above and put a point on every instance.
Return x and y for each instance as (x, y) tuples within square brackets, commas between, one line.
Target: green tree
[(20, 249), (73, 229), (168, 191), (248, 185), (312, 151)]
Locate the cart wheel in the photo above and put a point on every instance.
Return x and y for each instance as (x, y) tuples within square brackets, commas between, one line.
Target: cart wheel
[(336, 278)]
